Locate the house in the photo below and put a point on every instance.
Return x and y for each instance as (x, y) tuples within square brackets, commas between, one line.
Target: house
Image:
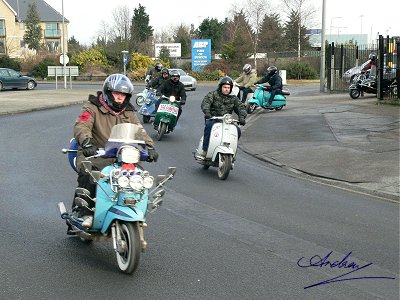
[(12, 27)]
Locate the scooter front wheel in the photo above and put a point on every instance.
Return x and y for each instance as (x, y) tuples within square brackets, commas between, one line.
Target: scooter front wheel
[(279, 107), (355, 93), (161, 130), (139, 100), (146, 119), (251, 107), (128, 256), (224, 166)]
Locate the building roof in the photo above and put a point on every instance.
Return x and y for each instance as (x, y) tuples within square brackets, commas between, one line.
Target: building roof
[(46, 12)]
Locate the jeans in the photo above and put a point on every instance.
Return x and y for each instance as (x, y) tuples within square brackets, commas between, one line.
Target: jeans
[(272, 95), (207, 133)]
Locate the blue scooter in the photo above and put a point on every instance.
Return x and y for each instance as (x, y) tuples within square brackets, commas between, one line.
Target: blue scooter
[(122, 200), (148, 109), (261, 97)]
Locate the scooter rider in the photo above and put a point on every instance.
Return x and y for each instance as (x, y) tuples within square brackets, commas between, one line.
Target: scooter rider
[(93, 127), (153, 73), (157, 82), (275, 83), (218, 103), (173, 87), (246, 81)]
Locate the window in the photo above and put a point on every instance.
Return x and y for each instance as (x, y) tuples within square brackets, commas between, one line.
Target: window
[(52, 30), (2, 46), (2, 28)]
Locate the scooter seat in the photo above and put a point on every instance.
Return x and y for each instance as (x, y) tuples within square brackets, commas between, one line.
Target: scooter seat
[(285, 92)]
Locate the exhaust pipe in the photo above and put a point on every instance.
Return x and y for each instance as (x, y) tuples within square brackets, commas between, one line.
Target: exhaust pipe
[(63, 210)]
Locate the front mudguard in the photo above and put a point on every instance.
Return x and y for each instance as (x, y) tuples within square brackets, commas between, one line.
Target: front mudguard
[(122, 213), (147, 110), (222, 149)]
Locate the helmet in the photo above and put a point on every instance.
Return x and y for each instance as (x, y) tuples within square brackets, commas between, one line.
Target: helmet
[(247, 68), (117, 83), (175, 76), (164, 71), (272, 70), (372, 56), (158, 67), (223, 81)]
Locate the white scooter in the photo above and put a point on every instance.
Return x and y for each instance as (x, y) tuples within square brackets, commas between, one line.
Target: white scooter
[(222, 148)]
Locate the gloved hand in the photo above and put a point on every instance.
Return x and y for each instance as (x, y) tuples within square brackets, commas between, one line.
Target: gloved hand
[(88, 148), (241, 87), (242, 121), (153, 155), (207, 115), (183, 102)]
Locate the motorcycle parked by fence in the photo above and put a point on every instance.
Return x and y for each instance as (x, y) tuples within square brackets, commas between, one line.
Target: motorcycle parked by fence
[(222, 147), (124, 197), (261, 97), (369, 86), (147, 93), (166, 116)]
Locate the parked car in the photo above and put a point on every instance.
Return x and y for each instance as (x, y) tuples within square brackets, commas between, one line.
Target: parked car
[(188, 81), (11, 79), (349, 74)]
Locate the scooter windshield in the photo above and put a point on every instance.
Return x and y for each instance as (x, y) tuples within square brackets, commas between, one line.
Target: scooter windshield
[(123, 134)]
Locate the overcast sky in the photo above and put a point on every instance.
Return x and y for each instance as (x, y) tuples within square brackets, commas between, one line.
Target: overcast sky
[(342, 16)]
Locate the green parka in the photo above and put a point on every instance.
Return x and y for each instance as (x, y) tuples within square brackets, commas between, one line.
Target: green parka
[(218, 104), (247, 80)]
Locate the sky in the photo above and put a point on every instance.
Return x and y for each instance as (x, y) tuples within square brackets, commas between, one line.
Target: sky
[(342, 16)]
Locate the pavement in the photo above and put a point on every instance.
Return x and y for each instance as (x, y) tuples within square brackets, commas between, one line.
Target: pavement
[(328, 138)]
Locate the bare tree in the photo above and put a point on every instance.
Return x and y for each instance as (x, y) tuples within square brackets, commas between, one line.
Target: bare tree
[(306, 13), (104, 32), (122, 23)]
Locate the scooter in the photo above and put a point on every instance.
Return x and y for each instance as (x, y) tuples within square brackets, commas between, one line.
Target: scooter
[(261, 97), (124, 197), (167, 113), (147, 93), (148, 109), (222, 147)]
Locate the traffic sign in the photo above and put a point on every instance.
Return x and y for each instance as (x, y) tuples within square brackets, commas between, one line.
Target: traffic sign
[(62, 57), (125, 59)]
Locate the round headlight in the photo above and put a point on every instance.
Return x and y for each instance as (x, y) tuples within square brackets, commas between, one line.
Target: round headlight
[(130, 155), (123, 181), (148, 182), (228, 119), (136, 182)]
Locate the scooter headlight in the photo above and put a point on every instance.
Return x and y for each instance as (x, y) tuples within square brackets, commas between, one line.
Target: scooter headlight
[(123, 181), (136, 182), (148, 182), (228, 119), (130, 155), (147, 101)]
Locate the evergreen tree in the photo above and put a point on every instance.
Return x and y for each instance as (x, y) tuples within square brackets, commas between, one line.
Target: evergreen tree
[(211, 29), (140, 29), (271, 34), (182, 36), (292, 34), (33, 34)]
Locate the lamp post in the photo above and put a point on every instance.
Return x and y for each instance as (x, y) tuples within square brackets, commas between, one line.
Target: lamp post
[(361, 16), (63, 45), (322, 56), (125, 60)]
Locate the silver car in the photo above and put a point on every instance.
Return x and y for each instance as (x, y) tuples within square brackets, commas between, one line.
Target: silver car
[(188, 81)]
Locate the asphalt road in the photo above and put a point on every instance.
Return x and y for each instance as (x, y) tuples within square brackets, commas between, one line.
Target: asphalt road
[(236, 239)]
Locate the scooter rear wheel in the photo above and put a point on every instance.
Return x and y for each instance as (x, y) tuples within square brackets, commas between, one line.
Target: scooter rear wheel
[(224, 166), (355, 93), (146, 119), (279, 107), (128, 259)]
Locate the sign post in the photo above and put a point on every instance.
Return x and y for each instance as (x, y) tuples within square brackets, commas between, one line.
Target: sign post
[(125, 59)]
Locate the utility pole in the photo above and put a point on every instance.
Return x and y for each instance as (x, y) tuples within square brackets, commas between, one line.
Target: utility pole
[(63, 46), (322, 54)]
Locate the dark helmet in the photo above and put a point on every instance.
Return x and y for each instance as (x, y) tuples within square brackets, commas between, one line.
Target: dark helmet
[(247, 68), (372, 56), (272, 70), (223, 81), (117, 83), (158, 67), (174, 76), (164, 71)]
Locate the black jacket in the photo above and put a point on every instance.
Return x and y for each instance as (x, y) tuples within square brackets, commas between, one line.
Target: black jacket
[(169, 88), (275, 81)]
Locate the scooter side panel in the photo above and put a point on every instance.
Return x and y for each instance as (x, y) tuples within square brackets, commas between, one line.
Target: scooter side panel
[(122, 213)]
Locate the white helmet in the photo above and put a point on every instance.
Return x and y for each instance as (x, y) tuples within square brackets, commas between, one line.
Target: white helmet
[(247, 68)]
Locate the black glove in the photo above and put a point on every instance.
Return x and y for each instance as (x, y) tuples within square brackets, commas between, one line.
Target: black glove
[(242, 121), (153, 155), (207, 115), (241, 87), (183, 102), (88, 148)]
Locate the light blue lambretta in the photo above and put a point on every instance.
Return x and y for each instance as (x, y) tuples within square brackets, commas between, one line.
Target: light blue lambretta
[(125, 194), (261, 97)]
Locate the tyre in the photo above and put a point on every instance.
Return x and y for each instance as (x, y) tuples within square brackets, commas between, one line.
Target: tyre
[(30, 85), (162, 128), (206, 167), (1, 86), (139, 100), (146, 119), (355, 93), (251, 108), (224, 166), (129, 255), (279, 107)]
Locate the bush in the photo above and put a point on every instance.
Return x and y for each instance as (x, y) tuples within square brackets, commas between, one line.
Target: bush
[(7, 62), (89, 58), (40, 70), (299, 70)]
